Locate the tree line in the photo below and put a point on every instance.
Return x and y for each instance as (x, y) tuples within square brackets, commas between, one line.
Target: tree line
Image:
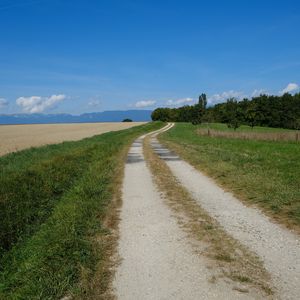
[(264, 110)]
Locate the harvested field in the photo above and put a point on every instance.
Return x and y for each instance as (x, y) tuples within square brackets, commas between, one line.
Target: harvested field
[(17, 137)]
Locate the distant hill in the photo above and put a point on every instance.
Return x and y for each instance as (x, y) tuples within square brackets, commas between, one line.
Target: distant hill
[(105, 116)]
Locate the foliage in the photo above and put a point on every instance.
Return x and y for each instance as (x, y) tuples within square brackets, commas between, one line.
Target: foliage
[(233, 113), (187, 113), (127, 120), (264, 110), (270, 111)]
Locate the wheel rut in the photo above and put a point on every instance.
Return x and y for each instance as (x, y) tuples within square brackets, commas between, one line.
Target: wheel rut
[(157, 259)]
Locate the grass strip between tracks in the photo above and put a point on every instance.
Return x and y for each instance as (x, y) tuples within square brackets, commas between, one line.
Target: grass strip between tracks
[(226, 256)]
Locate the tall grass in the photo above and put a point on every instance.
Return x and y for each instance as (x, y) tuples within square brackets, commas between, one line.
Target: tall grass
[(245, 128), (252, 135), (29, 194), (52, 204)]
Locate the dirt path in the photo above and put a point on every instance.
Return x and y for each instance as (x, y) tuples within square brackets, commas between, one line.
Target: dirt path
[(277, 247), (157, 259)]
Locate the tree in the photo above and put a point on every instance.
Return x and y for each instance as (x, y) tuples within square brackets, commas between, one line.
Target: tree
[(251, 115), (202, 101), (127, 120), (164, 114), (196, 114), (198, 110), (232, 111)]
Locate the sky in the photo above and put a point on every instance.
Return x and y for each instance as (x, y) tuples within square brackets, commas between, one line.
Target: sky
[(77, 56)]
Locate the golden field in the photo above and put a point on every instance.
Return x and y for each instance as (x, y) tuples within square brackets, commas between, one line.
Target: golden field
[(18, 137)]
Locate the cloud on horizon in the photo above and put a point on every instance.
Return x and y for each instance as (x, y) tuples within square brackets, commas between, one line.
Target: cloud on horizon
[(94, 103), (257, 93), (3, 102), (222, 97), (181, 101), (144, 103), (38, 104), (291, 87)]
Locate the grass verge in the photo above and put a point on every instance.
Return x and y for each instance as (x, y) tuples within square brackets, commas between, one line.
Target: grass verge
[(263, 173), (226, 255), (59, 203)]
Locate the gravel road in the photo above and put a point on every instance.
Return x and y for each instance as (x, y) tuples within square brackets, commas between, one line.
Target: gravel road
[(157, 258), (278, 248)]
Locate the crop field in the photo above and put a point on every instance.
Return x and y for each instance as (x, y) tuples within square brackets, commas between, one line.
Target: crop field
[(262, 172), (18, 137), (55, 206)]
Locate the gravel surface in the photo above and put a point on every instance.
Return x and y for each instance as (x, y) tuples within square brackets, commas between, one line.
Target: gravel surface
[(158, 260), (278, 248)]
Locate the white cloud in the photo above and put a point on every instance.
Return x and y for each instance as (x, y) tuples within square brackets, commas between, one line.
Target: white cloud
[(291, 87), (94, 103), (219, 98), (3, 102), (144, 103), (37, 104), (257, 93), (182, 101)]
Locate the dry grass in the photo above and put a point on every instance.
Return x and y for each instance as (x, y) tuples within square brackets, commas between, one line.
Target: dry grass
[(17, 137), (226, 256), (262, 136)]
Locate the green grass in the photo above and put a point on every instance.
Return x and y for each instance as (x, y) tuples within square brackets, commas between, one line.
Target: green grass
[(265, 173), (52, 202)]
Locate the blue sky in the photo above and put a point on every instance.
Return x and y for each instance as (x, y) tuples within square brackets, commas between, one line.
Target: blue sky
[(76, 56)]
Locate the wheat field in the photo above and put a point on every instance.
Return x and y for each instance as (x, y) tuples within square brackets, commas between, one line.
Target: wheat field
[(17, 137)]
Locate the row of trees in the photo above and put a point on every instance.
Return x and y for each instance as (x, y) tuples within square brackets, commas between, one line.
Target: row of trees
[(265, 110), (187, 113)]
